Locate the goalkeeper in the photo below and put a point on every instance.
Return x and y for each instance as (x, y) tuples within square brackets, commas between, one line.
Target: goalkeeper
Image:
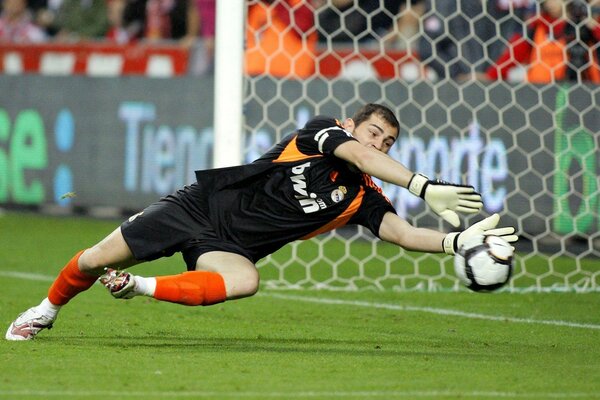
[(313, 181)]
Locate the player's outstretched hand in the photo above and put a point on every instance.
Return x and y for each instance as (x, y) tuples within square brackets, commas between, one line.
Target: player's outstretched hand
[(445, 199), (487, 226)]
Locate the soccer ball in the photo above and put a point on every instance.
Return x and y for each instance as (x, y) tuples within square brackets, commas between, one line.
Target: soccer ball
[(484, 263)]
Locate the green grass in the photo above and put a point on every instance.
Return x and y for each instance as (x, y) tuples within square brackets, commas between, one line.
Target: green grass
[(285, 344)]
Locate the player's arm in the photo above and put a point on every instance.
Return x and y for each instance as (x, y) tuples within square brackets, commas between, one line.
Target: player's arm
[(396, 230), (374, 163), (444, 198)]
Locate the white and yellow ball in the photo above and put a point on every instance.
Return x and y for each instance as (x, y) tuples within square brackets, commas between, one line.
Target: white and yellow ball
[(484, 263)]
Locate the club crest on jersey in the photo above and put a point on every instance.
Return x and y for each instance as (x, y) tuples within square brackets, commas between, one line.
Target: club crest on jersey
[(308, 201), (338, 194)]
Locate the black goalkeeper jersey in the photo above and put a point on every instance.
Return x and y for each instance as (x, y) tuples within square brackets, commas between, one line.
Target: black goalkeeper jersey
[(297, 190)]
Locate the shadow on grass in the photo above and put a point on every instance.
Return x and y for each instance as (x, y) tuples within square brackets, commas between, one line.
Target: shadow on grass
[(260, 344)]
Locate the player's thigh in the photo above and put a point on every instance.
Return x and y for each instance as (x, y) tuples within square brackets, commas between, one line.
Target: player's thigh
[(112, 251), (239, 273)]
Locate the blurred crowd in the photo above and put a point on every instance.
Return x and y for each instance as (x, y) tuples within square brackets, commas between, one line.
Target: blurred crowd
[(120, 21), (541, 41)]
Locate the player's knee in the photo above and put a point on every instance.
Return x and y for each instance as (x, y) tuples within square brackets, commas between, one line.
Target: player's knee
[(252, 283), (243, 283), (92, 261)]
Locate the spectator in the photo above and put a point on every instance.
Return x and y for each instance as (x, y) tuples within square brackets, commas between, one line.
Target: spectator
[(281, 39), (565, 39), (82, 19), (458, 52), (407, 24), (206, 12), (134, 18), (172, 20), (16, 25), (349, 21), (116, 31), (44, 13), (509, 17), (126, 19), (202, 58)]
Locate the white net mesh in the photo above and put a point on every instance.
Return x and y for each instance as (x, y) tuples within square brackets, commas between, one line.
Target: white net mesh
[(499, 94)]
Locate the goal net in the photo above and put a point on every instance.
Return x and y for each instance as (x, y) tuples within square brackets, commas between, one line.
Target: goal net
[(502, 95)]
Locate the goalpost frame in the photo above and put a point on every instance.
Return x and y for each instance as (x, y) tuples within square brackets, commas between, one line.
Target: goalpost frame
[(228, 92)]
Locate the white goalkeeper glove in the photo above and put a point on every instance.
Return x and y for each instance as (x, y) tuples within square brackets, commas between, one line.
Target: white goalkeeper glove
[(454, 240), (446, 198)]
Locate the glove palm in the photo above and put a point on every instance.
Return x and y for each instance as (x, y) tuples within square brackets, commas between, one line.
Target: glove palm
[(487, 227), (445, 199)]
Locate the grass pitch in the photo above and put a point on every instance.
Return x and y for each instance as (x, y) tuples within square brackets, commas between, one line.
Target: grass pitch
[(285, 344)]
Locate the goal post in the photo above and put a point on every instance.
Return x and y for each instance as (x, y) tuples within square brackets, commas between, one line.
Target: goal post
[(529, 148), (228, 95)]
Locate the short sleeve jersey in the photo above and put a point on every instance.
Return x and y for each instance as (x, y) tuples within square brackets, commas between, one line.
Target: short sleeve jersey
[(297, 190)]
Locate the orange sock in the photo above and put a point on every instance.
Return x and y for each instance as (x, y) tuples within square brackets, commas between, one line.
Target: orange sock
[(69, 283), (193, 288)]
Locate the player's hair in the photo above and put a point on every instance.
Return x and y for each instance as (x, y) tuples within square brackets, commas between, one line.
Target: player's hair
[(363, 114)]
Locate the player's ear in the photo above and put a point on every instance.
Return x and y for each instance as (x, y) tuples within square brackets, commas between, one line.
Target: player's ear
[(348, 125)]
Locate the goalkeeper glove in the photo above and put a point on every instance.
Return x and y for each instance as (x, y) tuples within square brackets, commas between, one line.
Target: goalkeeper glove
[(454, 240), (446, 198)]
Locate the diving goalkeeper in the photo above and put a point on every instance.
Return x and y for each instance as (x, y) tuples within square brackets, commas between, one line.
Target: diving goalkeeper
[(315, 180)]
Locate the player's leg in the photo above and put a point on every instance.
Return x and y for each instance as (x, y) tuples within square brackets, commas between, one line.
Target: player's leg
[(78, 275), (110, 251), (216, 270), (83, 269), (239, 274), (219, 276)]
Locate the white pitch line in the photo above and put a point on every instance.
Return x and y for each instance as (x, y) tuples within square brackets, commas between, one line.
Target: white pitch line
[(306, 394), (27, 276), (356, 303), (431, 310)]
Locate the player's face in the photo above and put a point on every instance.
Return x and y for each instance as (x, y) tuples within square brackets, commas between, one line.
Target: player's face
[(374, 132)]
